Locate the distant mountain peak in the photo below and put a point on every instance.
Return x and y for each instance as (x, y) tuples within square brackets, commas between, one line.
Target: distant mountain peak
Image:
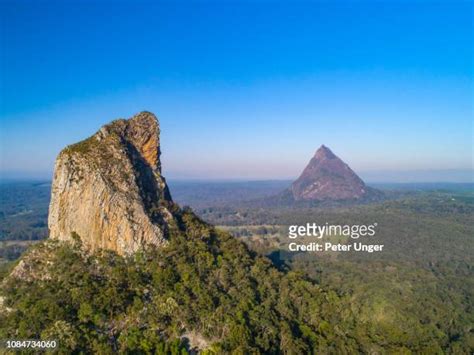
[(324, 152), (327, 177)]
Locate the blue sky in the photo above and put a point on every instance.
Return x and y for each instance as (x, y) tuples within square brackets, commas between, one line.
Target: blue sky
[(244, 89)]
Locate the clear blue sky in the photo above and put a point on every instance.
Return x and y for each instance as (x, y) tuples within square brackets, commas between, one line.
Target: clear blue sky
[(244, 89)]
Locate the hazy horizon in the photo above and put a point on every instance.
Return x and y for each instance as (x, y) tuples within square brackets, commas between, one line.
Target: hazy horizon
[(401, 177)]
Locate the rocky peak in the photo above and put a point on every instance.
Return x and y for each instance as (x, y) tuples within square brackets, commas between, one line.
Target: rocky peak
[(324, 153), (141, 131), (109, 191), (327, 177)]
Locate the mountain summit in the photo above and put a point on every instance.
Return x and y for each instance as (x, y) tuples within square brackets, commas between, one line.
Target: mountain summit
[(108, 189), (327, 177)]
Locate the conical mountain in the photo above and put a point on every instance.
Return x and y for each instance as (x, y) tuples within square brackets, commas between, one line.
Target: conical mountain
[(327, 177)]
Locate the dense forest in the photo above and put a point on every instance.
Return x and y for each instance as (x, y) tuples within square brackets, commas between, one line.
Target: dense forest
[(205, 284), (208, 290), (24, 210)]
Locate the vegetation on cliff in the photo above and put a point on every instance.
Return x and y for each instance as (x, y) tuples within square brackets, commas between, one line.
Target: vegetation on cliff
[(410, 299), (206, 285), (204, 282)]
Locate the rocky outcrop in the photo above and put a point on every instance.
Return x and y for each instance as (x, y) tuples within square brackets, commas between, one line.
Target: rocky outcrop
[(108, 189), (327, 177)]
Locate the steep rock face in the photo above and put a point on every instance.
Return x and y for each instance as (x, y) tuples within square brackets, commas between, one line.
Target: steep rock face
[(327, 177), (109, 191)]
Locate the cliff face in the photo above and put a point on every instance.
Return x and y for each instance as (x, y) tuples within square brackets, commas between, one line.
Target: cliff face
[(327, 177), (109, 191)]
